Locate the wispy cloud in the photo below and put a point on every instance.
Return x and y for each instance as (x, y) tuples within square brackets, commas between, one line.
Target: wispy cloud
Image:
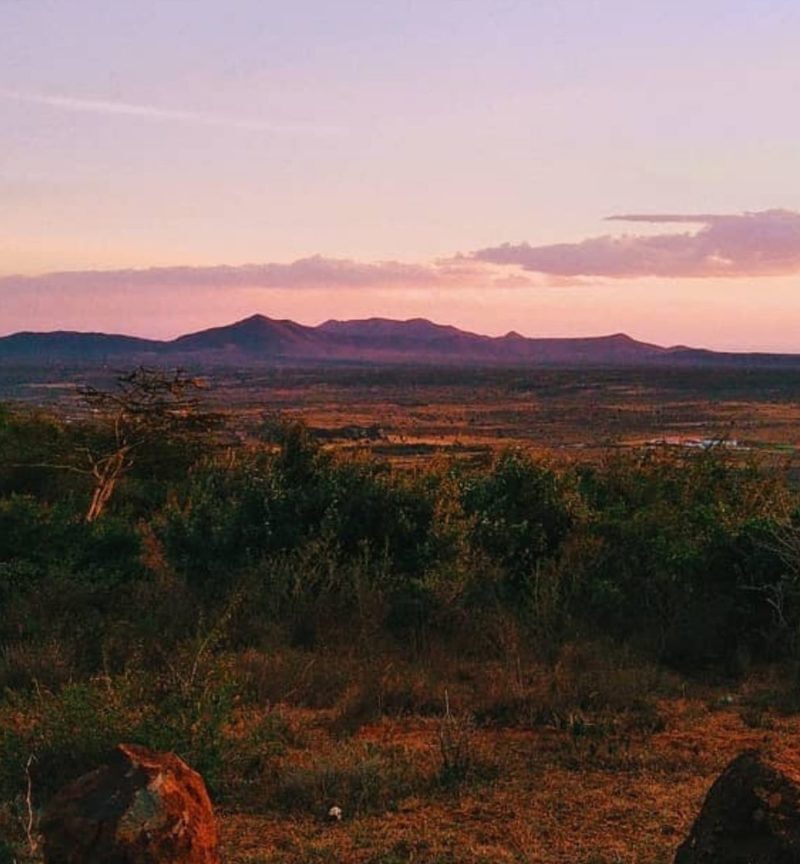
[(155, 112), (765, 243), (313, 273)]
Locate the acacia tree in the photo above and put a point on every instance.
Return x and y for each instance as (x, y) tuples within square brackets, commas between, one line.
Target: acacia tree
[(145, 406)]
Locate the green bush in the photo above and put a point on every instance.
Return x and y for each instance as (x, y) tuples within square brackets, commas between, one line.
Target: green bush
[(522, 512), (674, 554), (678, 544)]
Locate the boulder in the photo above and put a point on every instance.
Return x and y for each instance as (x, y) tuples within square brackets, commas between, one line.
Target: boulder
[(751, 815), (141, 807)]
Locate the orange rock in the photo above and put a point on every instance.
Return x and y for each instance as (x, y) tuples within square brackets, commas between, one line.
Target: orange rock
[(142, 807)]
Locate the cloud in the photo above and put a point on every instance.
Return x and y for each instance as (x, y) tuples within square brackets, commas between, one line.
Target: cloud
[(166, 301), (153, 112), (766, 243), (316, 272)]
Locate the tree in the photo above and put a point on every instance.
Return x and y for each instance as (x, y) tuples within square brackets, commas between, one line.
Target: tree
[(146, 405)]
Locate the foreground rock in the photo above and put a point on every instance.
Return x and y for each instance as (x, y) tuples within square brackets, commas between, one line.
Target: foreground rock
[(751, 815), (142, 807)]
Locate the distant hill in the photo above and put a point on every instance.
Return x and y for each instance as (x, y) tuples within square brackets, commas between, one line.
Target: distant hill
[(259, 340), (71, 346)]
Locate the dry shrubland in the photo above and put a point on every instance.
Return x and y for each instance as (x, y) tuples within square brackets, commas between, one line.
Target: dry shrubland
[(528, 660)]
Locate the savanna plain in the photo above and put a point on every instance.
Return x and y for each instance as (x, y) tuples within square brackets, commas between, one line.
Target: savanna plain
[(494, 615)]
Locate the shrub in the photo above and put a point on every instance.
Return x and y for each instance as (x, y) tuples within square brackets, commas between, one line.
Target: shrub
[(522, 511), (67, 733), (677, 542)]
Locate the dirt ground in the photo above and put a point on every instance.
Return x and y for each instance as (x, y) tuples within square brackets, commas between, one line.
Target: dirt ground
[(553, 798)]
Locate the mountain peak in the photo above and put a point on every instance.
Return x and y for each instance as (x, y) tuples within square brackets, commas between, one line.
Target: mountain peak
[(257, 318), (255, 334)]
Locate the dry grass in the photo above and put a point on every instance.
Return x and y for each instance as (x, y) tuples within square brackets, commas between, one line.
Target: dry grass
[(552, 796), (594, 759)]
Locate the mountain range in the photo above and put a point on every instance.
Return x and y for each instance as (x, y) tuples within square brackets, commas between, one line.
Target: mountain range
[(259, 340)]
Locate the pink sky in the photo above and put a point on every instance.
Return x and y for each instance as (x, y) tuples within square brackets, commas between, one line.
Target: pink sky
[(457, 160)]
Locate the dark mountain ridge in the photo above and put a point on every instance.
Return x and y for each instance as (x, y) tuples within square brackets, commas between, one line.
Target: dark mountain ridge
[(261, 340), (71, 345)]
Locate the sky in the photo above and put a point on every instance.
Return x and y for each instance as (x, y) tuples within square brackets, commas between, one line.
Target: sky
[(562, 168)]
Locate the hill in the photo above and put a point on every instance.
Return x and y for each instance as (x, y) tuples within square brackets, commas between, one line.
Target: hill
[(259, 340)]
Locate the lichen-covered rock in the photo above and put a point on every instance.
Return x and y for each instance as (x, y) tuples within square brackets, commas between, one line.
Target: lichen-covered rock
[(751, 815), (141, 807)]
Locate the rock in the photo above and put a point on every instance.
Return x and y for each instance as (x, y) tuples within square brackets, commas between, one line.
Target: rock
[(751, 815), (142, 807)]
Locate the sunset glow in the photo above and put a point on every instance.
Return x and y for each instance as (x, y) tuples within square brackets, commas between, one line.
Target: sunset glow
[(576, 168)]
